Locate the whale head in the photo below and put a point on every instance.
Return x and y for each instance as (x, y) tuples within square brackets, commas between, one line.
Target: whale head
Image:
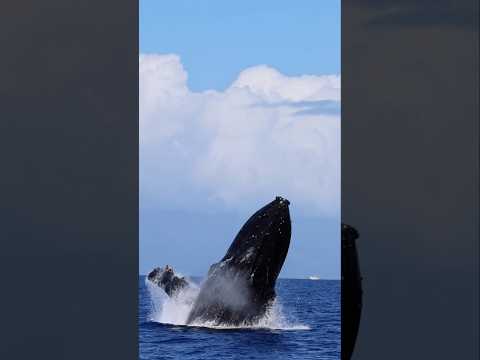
[(261, 246), (256, 256)]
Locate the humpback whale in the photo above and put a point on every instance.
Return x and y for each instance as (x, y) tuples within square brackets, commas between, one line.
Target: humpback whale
[(241, 285)]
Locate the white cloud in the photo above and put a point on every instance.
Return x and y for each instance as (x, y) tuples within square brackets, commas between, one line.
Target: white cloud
[(240, 147), (271, 85)]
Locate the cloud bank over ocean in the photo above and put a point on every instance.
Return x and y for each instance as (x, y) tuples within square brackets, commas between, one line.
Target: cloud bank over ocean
[(266, 134)]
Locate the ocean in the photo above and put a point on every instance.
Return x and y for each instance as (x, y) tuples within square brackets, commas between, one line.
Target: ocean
[(304, 323)]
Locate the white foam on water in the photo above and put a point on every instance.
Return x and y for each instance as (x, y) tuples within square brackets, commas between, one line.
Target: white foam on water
[(274, 319), (171, 310), (174, 311)]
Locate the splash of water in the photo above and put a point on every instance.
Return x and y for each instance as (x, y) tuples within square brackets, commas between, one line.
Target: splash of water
[(171, 310), (174, 311)]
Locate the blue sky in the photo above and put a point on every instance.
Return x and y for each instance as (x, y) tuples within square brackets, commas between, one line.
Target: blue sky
[(239, 102), (217, 39)]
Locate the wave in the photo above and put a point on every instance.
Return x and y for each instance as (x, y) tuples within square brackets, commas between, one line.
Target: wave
[(174, 311)]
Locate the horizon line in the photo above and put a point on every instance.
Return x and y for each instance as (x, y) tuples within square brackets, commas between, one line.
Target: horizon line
[(283, 278)]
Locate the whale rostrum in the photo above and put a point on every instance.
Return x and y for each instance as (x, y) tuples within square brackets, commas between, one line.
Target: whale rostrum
[(241, 286)]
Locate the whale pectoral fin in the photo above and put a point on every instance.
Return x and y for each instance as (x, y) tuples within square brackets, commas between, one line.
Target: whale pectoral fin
[(167, 280)]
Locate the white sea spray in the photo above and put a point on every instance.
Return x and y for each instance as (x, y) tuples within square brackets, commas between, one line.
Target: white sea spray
[(175, 310)]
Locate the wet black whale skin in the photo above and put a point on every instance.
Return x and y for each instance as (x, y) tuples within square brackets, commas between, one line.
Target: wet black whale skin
[(240, 287)]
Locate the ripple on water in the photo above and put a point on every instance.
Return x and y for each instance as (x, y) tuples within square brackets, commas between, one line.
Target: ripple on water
[(304, 325)]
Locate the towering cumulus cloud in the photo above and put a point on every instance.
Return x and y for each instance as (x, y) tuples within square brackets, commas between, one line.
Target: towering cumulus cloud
[(267, 134)]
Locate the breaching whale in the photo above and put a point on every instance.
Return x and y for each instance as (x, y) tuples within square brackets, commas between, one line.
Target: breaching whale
[(239, 288)]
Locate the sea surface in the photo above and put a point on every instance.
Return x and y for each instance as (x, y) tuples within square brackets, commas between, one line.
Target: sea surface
[(304, 323)]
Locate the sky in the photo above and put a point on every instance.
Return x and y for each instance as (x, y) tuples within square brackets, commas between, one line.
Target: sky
[(239, 103)]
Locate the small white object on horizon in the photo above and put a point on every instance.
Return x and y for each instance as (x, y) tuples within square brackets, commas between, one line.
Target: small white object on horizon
[(314, 277)]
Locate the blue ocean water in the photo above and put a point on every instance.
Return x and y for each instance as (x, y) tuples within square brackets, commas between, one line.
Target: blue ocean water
[(304, 324)]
